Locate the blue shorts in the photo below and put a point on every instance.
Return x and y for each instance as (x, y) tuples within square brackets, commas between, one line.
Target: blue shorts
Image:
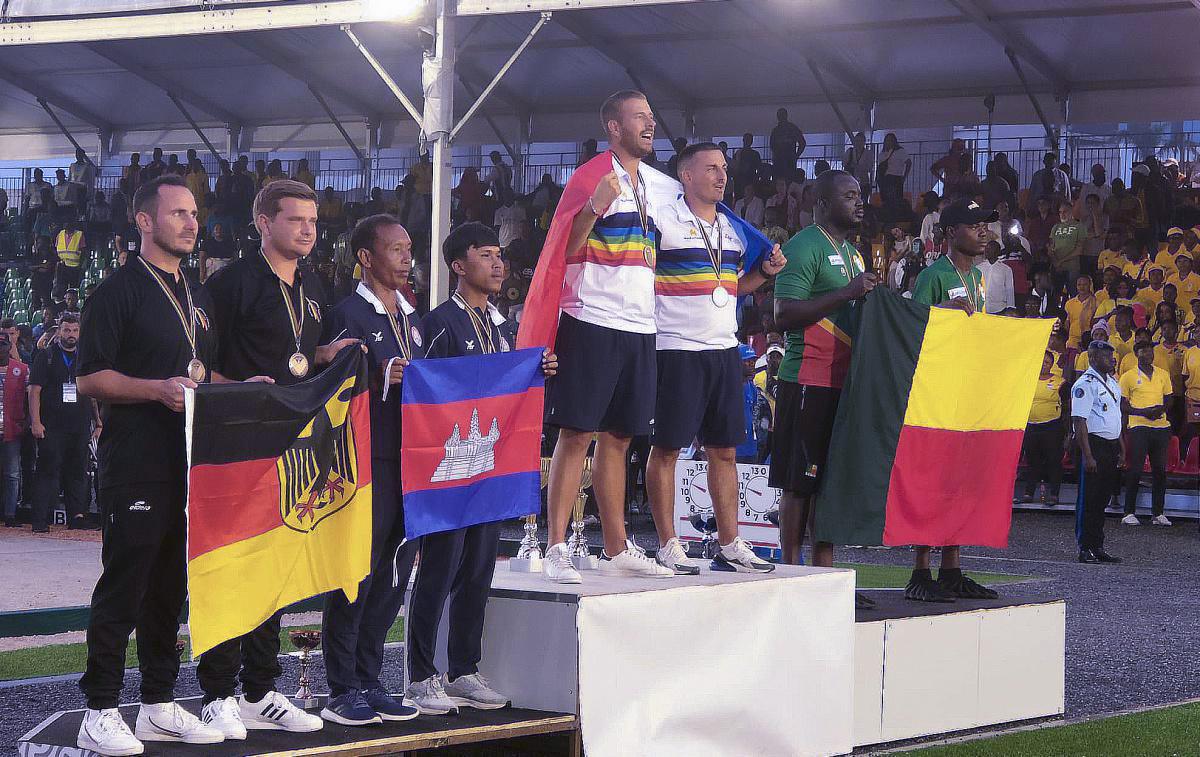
[(605, 379), (699, 398)]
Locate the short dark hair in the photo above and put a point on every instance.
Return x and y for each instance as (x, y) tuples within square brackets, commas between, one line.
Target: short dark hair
[(267, 201), (145, 199), (366, 231), (823, 185), (689, 152), (611, 109), (8, 323), (466, 236), (68, 318)]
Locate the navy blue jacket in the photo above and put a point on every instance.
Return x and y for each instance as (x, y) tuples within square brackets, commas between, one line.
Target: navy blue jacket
[(449, 331), (362, 316)]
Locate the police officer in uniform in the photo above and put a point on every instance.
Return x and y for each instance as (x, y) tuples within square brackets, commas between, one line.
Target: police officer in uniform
[(268, 327), (146, 336), (354, 633), (1096, 420)]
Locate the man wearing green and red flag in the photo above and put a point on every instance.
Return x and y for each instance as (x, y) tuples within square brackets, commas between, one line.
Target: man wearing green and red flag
[(815, 298)]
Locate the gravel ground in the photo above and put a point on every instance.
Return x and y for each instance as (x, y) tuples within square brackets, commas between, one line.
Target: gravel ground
[(1132, 639)]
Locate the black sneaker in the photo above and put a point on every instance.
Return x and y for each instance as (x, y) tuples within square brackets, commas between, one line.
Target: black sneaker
[(1103, 556), (957, 584), (1088, 557), (922, 588)]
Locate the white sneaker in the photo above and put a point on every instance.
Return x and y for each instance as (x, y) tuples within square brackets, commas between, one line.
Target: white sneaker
[(557, 566), (1131, 520), (738, 557), (276, 712), (226, 717), (1160, 520), (674, 556), (429, 697), (474, 691), (170, 722), (105, 732), (632, 562)]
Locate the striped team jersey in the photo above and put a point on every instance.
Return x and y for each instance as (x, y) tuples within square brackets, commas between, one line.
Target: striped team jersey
[(684, 279), (609, 282)]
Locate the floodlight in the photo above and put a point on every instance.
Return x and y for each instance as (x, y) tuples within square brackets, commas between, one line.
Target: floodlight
[(390, 10)]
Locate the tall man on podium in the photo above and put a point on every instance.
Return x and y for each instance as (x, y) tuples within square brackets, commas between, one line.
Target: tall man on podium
[(598, 269)]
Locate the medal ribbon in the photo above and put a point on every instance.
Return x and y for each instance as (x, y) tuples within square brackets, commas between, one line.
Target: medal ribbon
[(401, 341), (483, 331), (848, 264), (717, 256), (297, 323), (189, 321)]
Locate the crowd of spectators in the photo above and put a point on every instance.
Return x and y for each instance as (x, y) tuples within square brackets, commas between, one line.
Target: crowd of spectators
[(1105, 260)]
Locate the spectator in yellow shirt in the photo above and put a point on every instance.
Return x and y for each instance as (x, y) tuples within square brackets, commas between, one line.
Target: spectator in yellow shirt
[(1121, 335), (1081, 311), (1152, 294), (331, 211), (1111, 254), (1099, 334), (1191, 399), (1186, 281), (303, 175), (1146, 397), (1137, 261), (1168, 355), (1044, 435), (1166, 257), (1109, 276)]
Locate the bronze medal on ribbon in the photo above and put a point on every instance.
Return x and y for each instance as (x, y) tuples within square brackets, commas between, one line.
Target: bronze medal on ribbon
[(196, 370)]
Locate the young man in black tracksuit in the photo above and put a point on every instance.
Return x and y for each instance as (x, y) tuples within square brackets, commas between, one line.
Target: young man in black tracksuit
[(459, 564), (354, 633)]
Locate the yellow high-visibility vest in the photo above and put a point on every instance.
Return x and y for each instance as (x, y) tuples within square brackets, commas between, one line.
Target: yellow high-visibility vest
[(68, 246)]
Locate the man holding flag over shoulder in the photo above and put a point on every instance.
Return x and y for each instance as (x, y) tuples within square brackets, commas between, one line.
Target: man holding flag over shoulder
[(706, 258), (598, 268)]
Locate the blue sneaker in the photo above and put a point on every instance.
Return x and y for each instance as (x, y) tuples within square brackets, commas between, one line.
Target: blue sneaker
[(350, 709), (389, 707)]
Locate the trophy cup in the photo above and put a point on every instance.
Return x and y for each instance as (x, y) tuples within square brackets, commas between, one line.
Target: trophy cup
[(306, 642), (577, 546), (706, 525), (529, 554)]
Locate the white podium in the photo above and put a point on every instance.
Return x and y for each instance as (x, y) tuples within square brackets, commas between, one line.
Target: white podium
[(715, 664)]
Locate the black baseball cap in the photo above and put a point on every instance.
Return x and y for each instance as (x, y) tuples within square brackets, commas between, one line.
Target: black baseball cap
[(966, 212), (1103, 346)]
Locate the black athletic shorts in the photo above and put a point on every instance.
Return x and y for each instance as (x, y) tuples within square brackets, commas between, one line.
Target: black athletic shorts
[(699, 397), (605, 379), (800, 442)]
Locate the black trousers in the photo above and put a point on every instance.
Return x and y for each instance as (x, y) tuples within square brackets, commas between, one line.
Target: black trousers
[(1043, 452), (66, 277), (457, 565), (252, 657), (353, 634), (1153, 442), (1095, 489), (142, 586), (62, 459)]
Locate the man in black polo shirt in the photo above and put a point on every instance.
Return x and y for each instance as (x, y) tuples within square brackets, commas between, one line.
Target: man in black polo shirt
[(459, 564), (61, 421), (267, 326), (354, 633), (146, 337)]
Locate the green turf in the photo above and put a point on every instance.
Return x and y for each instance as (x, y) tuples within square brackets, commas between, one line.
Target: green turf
[(60, 659), (896, 576), (1169, 732)]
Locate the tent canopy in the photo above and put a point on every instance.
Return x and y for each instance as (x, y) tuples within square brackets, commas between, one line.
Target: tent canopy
[(708, 67)]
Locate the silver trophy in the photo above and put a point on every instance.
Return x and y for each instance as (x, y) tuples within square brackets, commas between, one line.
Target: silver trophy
[(305, 641), (529, 554), (577, 546)]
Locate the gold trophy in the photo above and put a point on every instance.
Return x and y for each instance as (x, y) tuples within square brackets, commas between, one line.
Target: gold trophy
[(577, 546), (305, 641), (529, 554)]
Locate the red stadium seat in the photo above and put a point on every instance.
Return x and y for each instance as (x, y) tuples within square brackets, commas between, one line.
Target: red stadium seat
[(1173, 460), (1191, 465)]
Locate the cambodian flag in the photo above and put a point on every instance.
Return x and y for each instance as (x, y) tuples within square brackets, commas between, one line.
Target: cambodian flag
[(471, 449)]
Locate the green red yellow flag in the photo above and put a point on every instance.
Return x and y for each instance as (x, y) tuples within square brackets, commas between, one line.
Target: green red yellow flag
[(279, 497), (929, 427)]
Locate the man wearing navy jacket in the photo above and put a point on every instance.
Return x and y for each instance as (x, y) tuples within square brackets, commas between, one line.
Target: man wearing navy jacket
[(353, 633), (459, 564)]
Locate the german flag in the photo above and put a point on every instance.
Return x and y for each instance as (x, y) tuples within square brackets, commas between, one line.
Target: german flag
[(279, 497), (929, 428)]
